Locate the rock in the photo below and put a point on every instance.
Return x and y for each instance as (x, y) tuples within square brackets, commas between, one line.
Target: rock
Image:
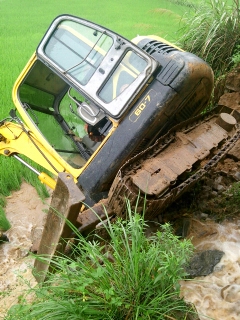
[(235, 151), (233, 80), (237, 176), (3, 238), (203, 263), (214, 194), (203, 215), (231, 100), (220, 188), (217, 184), (36, 238)]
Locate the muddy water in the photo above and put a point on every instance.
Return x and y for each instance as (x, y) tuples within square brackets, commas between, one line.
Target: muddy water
[(25, 213), (217, 296)]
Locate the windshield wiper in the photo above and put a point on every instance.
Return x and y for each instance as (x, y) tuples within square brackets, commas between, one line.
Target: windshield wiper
[(78, 64)]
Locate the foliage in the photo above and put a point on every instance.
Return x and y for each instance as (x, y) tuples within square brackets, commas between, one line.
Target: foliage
[(213, 33), (4, 223), (236, 56), (222, 207), (234, 194), (129, 277)]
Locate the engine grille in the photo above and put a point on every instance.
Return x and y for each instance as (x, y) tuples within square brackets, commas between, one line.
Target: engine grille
[(158, 47)]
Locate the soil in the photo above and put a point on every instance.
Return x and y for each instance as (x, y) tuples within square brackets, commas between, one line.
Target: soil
[(26, 212), (206, 215)]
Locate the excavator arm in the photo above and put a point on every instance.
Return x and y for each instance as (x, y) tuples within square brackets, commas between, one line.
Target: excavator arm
[(16, 138)]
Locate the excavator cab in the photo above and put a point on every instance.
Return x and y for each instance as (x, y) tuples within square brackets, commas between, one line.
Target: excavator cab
[(78, 85)]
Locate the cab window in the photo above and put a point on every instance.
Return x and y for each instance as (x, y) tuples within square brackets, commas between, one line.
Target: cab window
[(126, 72), (78, 49)]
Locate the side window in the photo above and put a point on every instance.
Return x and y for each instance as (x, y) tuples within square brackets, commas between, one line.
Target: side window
[(72, 108), (68, 110), (126, 72)]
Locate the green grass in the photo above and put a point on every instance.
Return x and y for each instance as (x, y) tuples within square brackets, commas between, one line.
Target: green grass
[(128, 277), (4, 223), (212, 33)]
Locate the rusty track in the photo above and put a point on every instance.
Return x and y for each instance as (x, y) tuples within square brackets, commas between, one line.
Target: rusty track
[(170, 167)]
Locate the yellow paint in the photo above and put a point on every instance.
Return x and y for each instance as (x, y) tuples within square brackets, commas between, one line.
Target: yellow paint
[(44, 178)]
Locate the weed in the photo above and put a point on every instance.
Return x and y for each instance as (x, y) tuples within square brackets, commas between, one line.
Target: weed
[(213, 33), (4, 223), (234, 193), (129, 277), (236, 56)]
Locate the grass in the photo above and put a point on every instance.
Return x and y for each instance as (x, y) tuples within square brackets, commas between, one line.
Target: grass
[(4, 223), (212, 33), (227, 206), (128, 277)]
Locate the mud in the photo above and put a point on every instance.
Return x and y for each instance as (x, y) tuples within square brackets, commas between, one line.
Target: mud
[(25, 211)]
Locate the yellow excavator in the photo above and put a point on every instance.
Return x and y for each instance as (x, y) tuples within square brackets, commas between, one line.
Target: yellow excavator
[(90, 102)]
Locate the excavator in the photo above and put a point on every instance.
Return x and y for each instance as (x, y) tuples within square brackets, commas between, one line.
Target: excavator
[(122, 119)]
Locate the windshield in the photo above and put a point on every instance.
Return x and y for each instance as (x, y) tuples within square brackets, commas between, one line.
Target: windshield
[(106, 67), (78, 49)]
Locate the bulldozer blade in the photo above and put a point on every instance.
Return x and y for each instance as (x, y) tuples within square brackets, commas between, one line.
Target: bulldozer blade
[(64, 209), (89, 218)]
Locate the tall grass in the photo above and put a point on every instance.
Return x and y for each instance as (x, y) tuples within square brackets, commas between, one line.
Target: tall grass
[(128, 277), (213, 33), (4, 223)]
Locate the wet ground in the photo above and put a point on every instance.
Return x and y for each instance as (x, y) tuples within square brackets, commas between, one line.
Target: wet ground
[(25, 211)]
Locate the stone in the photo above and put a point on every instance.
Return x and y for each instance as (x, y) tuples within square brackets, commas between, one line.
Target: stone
[(36, 238), (3, 238), (235, 151), (233, 80), (203, 263), (237, 176), (203, 215)]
